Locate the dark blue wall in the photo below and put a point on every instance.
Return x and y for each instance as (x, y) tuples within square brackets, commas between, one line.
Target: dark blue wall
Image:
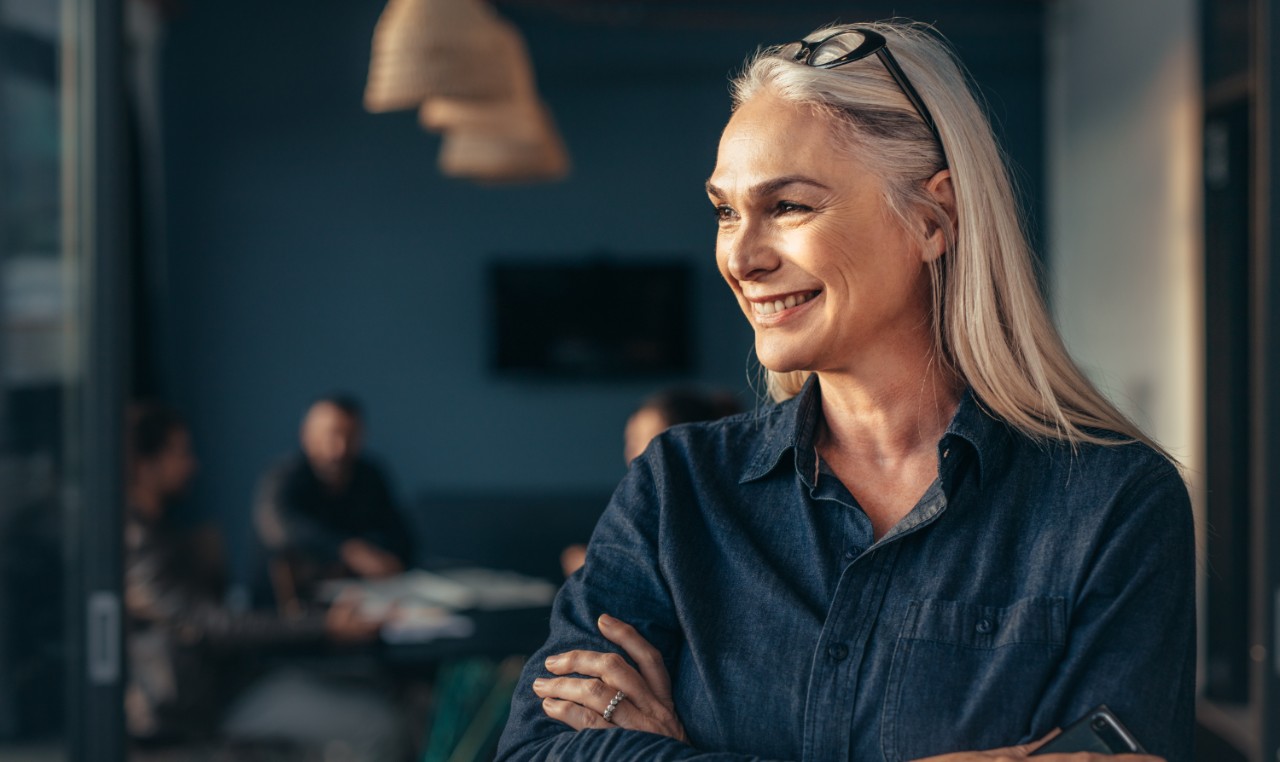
[(314, 246)]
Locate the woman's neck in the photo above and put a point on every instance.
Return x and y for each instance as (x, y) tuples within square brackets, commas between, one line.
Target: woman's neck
[(885, 418)]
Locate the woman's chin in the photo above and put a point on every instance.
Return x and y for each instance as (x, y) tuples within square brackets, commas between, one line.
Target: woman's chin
[(781, 362)]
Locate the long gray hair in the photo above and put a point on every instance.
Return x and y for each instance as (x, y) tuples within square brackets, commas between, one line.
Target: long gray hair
[(990, 324)]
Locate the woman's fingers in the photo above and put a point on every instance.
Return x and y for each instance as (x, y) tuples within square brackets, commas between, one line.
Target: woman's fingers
[(646, 657), (614, 674), (580, 702), (574, 715), (589, 692), (559, 703), (596, 699)]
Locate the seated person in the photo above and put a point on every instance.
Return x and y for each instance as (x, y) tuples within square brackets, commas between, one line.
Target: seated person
[(671, 407), (186, 649), (327, 512), (657, 413)]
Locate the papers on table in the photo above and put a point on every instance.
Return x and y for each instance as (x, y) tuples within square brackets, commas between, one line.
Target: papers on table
[(420, 605), (453, 589), (416, 623), (496, 589)]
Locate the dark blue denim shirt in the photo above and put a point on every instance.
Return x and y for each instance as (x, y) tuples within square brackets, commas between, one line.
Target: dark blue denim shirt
[(1029, 584)]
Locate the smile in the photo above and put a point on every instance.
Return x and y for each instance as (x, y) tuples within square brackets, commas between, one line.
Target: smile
[(770, 307)]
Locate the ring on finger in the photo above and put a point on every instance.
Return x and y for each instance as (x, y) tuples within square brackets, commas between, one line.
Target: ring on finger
[(607, 714)]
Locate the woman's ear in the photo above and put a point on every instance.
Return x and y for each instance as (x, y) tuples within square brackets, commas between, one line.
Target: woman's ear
[(939, 187)]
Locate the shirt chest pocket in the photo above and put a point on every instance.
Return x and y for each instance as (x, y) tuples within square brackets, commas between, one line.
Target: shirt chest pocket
[(967, 677)]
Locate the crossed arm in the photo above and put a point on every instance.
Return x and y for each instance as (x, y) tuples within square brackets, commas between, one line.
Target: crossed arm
[(643, 699), (590, 660)]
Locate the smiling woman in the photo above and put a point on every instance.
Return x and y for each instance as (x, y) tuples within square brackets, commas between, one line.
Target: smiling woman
[(828, 277), (942, 538)]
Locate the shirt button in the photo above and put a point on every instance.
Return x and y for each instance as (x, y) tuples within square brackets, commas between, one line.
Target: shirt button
[(851, 553), (837, 651), (984, 626)]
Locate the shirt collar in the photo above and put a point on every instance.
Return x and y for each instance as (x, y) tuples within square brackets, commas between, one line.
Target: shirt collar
[(783, 425), (791, 427), (986, 437)]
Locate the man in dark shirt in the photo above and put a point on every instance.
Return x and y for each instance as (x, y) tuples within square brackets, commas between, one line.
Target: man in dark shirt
[(327, 512), (190, 656)]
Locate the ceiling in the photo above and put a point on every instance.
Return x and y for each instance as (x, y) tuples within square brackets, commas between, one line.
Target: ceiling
[(997, 15), (664, 37)]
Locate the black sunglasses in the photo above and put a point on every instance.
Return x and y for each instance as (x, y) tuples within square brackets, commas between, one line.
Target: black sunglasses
[(854, 44)]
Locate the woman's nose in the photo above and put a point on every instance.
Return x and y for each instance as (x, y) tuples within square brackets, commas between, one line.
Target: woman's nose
[(748, 254)]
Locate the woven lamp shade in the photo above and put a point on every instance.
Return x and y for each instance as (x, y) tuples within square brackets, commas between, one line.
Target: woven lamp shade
[(508, 140), (507, 156), (434, 48)]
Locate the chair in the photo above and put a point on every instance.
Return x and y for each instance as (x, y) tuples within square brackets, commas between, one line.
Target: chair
[(473, 700)]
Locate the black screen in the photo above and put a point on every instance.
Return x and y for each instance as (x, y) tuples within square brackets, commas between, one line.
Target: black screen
[(599, 319)]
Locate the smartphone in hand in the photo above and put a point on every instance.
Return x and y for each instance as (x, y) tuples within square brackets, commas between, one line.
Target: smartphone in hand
[(1099, 731)]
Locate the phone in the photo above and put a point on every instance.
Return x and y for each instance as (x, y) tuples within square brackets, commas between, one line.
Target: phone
[(1099, 731)]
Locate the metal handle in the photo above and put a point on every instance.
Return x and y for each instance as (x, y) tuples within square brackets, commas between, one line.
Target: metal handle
[(104, 638)]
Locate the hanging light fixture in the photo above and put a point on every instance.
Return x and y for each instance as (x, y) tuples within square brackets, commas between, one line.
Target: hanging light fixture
[(434, 48), (513, 139), (506, 156), (468, 73)]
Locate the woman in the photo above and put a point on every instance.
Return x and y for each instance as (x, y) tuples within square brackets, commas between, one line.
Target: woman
[(943, 538)]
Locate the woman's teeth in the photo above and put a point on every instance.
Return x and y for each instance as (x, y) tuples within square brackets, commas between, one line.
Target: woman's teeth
[(778, 305)]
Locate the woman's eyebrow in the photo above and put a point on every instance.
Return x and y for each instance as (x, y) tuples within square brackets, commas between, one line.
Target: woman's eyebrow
[(769, 187)]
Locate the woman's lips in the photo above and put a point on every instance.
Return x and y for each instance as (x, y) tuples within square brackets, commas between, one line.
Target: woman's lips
[(781, 304)]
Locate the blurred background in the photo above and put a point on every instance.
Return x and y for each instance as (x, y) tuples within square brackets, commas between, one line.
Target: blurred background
[(235, 207)]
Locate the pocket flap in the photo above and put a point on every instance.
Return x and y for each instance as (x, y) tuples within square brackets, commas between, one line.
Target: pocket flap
[(1030, 620)]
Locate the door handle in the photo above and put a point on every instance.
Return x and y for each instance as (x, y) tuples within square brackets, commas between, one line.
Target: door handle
[(104, 637)]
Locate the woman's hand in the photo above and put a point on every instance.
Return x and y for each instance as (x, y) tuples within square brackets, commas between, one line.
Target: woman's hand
[(581, 702), (1014, 753)]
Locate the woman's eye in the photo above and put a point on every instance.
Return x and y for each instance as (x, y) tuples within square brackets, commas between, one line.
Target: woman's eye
[(786, 207), (724, 213)]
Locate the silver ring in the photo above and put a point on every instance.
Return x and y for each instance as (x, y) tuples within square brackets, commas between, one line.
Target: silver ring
[(607, 714)]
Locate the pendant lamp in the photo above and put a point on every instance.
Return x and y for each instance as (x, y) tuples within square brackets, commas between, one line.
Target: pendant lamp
[(435, 48), (513, 139)]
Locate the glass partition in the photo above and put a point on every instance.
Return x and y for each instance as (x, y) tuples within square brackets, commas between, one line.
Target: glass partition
[(59, 625), (36, 371)]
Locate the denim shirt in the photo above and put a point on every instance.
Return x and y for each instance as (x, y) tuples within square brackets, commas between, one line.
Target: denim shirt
[(1030, 583)]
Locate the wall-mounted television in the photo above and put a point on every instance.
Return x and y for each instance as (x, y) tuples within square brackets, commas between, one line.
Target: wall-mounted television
[(597, 318)]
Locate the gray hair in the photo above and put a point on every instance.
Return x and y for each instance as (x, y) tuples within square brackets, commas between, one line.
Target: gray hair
[(990, 324)]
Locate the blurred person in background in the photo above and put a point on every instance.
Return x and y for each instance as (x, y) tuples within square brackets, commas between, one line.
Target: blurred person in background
[(671, 407), (657, 413), (327, 511), (190, 656)]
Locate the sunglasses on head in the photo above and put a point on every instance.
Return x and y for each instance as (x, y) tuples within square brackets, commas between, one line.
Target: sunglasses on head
[(854, 44)]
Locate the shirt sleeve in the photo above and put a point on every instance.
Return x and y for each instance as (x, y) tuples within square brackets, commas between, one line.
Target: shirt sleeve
[(622, 577), (161, 593), (284, 526), (1131, 641), (388, 528)]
